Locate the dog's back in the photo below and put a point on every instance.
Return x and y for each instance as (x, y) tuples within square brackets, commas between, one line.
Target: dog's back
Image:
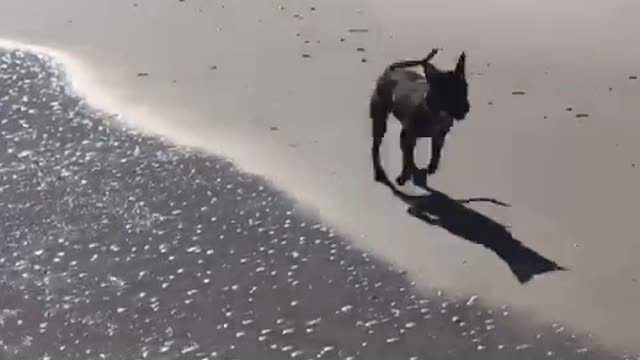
[(394, 85), (402, 92), (408, 92)]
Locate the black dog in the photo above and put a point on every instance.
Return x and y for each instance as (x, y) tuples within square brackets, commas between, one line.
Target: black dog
[(424, 105)]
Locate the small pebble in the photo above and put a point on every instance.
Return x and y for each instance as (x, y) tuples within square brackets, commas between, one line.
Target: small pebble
[(517, 92), (633, 77), (582, 115), (306, 56)]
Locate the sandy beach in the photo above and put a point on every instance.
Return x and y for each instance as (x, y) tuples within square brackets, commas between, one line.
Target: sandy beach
[(281, 89), (119, 246)]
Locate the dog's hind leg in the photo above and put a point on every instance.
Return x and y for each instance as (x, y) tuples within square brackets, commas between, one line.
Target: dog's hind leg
[(379, 112), (407, 144), (379, 124)]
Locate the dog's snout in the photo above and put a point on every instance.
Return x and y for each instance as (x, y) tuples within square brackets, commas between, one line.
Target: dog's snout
[(466, 110), (463, 109)]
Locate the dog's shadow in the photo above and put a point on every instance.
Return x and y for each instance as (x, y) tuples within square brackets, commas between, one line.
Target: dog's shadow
[(438, 209)]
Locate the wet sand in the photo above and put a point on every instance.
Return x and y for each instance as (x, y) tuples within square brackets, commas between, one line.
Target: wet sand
[(225, 78)]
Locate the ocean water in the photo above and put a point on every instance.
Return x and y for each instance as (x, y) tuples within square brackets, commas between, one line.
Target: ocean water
[(115, 245)]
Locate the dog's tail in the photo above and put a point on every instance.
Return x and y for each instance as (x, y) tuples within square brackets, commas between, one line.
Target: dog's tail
[(405, 64), (412, 63)]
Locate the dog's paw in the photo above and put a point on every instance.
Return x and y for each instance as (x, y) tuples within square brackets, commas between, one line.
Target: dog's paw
[(412, 211), (401, 180), (431, 169), (421, 182), (379, 176)]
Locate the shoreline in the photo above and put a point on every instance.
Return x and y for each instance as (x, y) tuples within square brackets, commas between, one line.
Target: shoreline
[(120, 244), (79, 85)]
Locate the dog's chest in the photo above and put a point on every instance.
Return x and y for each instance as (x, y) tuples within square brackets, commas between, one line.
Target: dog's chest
[(443, 122), (425, 123)]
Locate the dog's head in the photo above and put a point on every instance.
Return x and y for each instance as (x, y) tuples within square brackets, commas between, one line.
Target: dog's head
[(449, 89)]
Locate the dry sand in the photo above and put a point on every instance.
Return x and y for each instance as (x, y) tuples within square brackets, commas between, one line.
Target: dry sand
[(221, 76)]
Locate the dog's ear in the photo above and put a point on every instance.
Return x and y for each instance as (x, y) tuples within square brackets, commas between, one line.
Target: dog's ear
[(460, 66)]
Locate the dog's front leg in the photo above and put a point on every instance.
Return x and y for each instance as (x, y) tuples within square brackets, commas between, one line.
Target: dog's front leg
[(437, 143)]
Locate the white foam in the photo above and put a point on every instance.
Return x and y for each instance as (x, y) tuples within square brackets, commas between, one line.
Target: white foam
[(161, 120), (80, 76), (86, 82)]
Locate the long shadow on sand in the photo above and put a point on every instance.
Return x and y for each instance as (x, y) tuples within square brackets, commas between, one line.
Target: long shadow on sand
[(438, 209)]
